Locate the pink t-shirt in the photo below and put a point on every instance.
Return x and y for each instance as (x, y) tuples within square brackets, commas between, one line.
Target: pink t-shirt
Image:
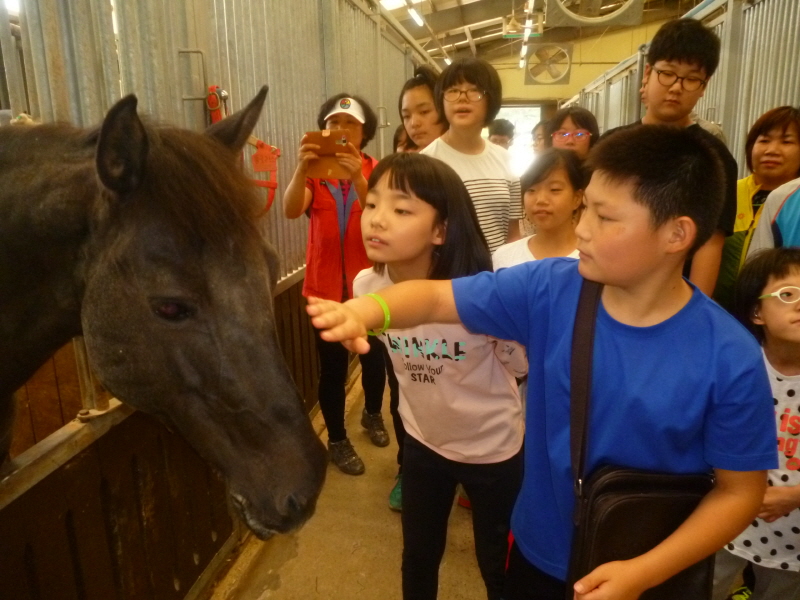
[(456, 396)]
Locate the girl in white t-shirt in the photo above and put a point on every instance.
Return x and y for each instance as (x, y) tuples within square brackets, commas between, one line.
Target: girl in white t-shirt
[(553, 191), (458, 394)]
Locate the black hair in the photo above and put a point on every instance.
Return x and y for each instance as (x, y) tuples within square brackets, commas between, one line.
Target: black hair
[(542, 123), (772, 262), (784, 117), (424, 76), (370, 118), (401, 135), (479, 73), (548, 161), (502, 127), (464, 251), (687, 41), (580, 116), (674, 172)]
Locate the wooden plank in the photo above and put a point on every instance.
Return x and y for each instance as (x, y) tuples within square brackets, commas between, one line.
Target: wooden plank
[(42, 391), (119, 467), (67, 382), (186, 480), (23, 437)]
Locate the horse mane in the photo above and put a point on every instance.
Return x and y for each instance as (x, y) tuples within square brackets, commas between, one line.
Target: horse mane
[(192, 182), (200, 186)]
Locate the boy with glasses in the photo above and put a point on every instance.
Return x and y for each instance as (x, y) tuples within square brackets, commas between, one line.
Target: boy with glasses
[(683, 56)]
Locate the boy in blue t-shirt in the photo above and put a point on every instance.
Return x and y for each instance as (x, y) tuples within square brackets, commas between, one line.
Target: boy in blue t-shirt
[(678, 385)]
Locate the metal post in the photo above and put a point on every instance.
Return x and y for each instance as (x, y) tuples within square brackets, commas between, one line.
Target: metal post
[(732, 48), (16, 87), (637, 97)]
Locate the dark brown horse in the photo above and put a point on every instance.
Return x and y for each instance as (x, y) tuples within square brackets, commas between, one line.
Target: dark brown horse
[(143, 239)]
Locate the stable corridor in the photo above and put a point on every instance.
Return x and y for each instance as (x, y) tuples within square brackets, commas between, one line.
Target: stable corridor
[(351, 547)]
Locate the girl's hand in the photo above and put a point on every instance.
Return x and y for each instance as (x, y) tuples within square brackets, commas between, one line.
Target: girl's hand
[(306, 153), (618, 580), (350, 160), (779, 501), (338, 323)]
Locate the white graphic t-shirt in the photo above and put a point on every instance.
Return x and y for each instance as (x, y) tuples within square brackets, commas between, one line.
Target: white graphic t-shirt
[(491, 184), (516, 253), (456, 396), (776, 545)]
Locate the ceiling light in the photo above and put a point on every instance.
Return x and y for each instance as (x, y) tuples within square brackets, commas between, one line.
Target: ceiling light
[(524, 51), (447, 60), (521, 63), (415, 15)]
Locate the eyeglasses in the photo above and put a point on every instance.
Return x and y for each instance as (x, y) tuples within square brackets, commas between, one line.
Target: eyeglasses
[(789, 294), (689, 84), (580, 134), (538, 138), (454, 94)]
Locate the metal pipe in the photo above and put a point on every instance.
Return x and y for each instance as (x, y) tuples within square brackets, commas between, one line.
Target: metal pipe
[(637, 101), (399, 29)]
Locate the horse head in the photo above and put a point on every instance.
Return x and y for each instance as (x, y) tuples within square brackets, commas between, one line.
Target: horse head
[(177, 309)]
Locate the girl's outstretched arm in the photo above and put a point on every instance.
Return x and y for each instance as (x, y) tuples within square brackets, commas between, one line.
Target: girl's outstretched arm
[(410, 303)]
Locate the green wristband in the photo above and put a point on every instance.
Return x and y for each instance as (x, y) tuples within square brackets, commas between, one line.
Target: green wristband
[(386, 317)]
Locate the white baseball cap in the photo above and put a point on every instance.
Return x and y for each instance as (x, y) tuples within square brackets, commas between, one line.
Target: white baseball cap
[(348, 106)]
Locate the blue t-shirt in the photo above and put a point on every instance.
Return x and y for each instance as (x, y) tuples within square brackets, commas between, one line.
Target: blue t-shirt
[(682, 396)]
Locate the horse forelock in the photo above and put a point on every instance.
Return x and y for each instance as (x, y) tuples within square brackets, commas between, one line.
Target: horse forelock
[(200, 188)]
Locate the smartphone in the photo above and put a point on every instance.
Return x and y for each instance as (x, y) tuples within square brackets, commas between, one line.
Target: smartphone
[(330, 141)]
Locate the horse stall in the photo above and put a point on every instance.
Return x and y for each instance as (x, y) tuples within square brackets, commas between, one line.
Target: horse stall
[(112, 505), (101, 501)]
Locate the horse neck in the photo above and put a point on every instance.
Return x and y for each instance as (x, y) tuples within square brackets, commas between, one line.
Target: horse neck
[(43, 228)]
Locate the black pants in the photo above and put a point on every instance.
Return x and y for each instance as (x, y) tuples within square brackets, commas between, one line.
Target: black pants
[(333, 360), (526, 582), (394, 404), (429, 485)]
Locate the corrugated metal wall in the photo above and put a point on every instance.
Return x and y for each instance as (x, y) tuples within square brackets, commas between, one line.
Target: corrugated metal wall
[(170, 52), (758, 71), (770, 75)]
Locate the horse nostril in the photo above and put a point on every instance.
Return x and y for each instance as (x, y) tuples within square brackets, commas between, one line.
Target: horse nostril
[(294, 507)]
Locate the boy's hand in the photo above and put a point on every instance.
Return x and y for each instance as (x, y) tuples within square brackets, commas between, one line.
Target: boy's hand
[(779, 501), (338, 324), (618, 580)]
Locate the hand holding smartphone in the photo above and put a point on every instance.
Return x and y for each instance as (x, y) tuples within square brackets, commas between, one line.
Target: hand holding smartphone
[(330, 141)]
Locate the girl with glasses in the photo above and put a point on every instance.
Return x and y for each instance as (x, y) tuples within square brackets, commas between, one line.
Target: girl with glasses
[(766, 302), (573, 128), (469, 93)]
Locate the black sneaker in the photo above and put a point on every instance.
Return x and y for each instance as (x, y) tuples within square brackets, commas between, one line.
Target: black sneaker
[(344, 456), (373, 423)]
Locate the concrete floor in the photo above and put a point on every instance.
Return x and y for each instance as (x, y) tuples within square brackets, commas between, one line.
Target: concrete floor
[(351, 547)]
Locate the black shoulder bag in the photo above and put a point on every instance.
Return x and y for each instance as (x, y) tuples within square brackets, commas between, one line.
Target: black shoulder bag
[(621, 513)]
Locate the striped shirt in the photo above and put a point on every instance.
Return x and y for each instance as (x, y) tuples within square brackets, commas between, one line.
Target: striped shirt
[(494, 189)]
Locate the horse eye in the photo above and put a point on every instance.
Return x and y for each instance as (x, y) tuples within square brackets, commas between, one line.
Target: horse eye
[(170, 310)]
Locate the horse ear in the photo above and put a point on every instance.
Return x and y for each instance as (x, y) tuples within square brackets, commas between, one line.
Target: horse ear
[(122, 148), (233, 131)]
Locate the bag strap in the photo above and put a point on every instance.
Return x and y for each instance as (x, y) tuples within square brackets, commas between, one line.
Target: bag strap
[(581, 382)]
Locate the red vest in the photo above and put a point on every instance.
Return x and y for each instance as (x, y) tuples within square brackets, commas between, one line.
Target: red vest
[(324, 261)]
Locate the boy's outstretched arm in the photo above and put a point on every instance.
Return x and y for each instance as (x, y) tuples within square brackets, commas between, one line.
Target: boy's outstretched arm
[(722, 515), (410, 303)]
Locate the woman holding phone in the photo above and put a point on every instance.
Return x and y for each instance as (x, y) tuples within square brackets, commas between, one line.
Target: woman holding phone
[(335, 254)]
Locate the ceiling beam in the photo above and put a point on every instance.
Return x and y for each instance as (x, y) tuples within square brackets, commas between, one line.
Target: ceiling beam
[(471, 42)]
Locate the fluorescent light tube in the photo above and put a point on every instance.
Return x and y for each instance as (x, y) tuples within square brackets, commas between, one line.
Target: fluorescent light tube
[(415, 15)]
